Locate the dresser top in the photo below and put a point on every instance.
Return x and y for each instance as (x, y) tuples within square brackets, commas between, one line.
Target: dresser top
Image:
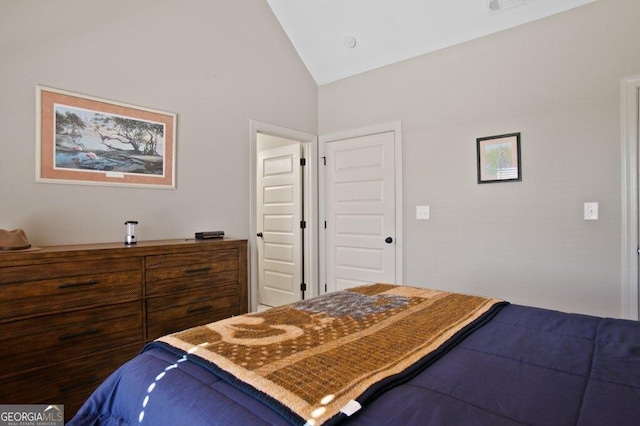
[(119, 249)]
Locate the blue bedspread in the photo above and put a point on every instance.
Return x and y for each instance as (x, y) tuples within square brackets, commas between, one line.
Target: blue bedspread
[(526, 366)]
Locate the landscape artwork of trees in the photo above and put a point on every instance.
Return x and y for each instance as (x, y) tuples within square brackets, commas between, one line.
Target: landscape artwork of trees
[(85, 140), (96, 141)]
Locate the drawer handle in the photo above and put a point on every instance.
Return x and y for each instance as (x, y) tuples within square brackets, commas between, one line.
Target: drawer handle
[(87, 283), (196, 271), (82, 333), (82, 383), (202, 308)]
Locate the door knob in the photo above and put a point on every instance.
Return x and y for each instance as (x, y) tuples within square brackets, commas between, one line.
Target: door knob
[(388, 240), (259, 234)]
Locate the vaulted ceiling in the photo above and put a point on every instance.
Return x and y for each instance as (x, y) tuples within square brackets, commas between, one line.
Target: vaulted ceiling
[(340, 38)]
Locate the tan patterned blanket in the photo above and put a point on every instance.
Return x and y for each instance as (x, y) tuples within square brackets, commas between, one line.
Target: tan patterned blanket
[(320, 359)]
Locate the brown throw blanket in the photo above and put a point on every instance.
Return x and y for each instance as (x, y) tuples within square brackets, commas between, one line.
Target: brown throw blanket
[(318, 358)]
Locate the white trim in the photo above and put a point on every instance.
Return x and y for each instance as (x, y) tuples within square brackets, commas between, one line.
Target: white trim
[(630, 87), (395, 127), (310, 143)]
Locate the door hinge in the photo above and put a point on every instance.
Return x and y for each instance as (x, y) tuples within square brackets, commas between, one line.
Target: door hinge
[(325, 288), (303, 161), (303, 286), (324, 161), (303, 224), (325, 224)]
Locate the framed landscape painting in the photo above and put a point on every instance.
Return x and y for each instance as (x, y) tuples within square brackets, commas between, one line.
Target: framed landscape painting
[(85, 140), (499, 158)]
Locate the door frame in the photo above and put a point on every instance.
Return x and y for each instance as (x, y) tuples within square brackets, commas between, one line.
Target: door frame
[(396, 128), (310, 185), (630, 98)]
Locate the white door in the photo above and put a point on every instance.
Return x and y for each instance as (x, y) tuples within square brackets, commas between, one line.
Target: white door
[(279, 212), (360, 205)]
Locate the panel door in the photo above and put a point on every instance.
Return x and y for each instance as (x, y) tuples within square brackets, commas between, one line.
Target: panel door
[(279, 210), (360, 211)]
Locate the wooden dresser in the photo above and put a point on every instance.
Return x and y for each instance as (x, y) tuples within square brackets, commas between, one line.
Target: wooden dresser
[(70, 315)]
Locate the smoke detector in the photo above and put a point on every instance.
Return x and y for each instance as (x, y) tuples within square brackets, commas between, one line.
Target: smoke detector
[(349, 41), (499, 6)]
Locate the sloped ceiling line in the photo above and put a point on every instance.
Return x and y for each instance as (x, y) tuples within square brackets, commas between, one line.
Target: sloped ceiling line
[(389, 31)]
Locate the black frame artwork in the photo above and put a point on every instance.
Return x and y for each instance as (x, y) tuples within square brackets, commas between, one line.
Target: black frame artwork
[(499, 158)]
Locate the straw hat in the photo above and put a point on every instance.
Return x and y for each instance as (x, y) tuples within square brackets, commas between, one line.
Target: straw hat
[(14, 240)]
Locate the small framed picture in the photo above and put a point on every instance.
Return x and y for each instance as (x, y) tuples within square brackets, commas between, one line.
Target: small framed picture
[(499, 158)]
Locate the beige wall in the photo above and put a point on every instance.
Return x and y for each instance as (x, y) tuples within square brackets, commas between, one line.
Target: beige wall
[(558, 82), (216, 63)]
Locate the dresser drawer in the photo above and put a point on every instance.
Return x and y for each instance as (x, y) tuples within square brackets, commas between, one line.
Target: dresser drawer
[(34, 342), (49, 271), (39, 289), (69, 383), (168, 315), (181, 259), (190, 271)]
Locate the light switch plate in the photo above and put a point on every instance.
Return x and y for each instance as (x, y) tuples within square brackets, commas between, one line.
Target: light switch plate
[(591, 211), (423, 213)]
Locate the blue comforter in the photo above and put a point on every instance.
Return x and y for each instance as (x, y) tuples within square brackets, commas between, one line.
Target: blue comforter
[(526, 366)]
